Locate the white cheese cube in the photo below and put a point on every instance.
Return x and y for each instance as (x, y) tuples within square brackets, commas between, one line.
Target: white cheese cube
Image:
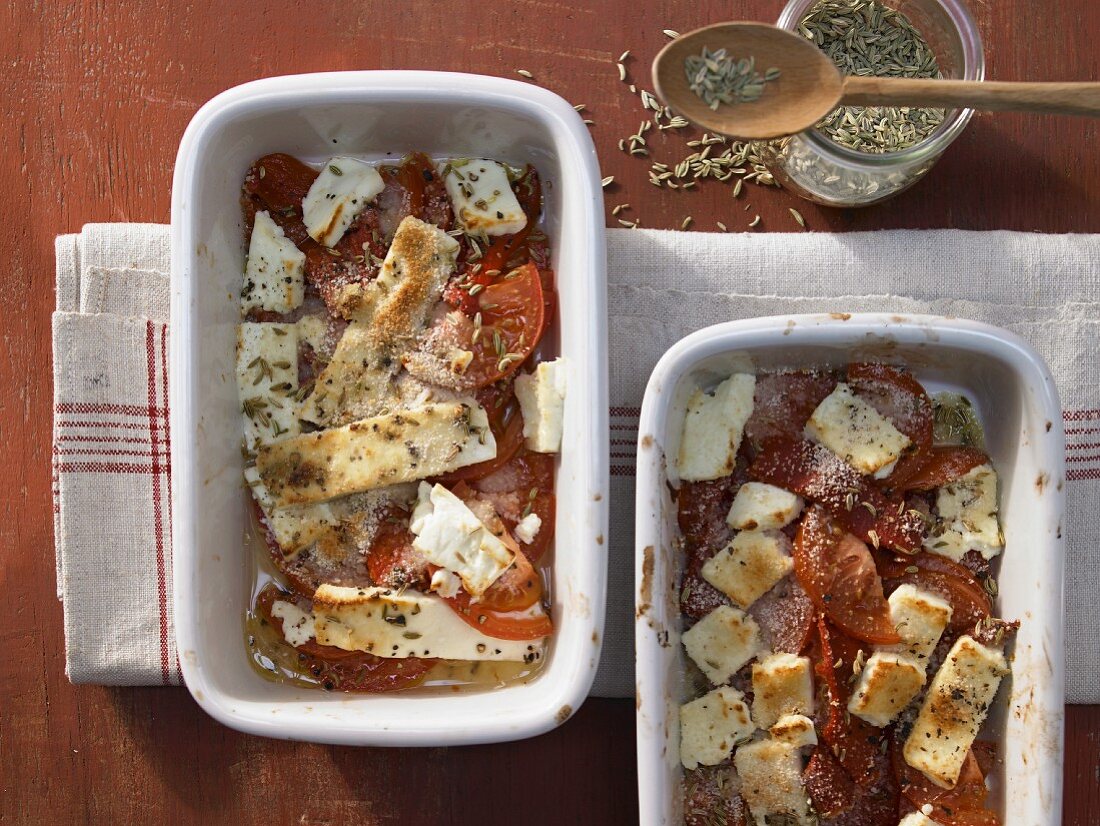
[(267, 379), (968, 516), (295, 527), (920, 618), (712, 725), (390, 623), (482, 197), (445, 583), (771, 782), (722, 642), (759, 506), (953, 710), (855, 431), (796, 729), (344, 187), (528, 528), (378, 452), (887, 684), (918, 819), (452, 537), (298, 628), (541, 397), (713, 427), (749, 565), (274, 274), (781, 684)]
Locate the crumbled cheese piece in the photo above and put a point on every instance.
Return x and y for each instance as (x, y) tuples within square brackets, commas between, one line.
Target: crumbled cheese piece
[(541, 396), (267, 379), (296, 527), (968, 516), (781, 684), (855, 431), (445, 583), (771, 782), (342, 190), (274, 272), (920, 618), (953, 710), (314, 331), (387, 316), (712, 725), (887, 684), (482, 197), (796, 729), (749, 565), (918, 819), (452, 537), (377, 452), (298, 626), (759, 506), (528, 528), (713, 426), (722, 642), (391, 623)]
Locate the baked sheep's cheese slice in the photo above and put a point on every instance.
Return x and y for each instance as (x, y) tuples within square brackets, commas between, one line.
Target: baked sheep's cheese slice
[(387, 316), (759, 506), (953, 710), (482, 197), (918, 819), (712, 725), (856, 432), (274, 273), (405, 446), (337, 196), (887, 684), (721, 642), (782, 684), (297, 526), (796, 729), (541, 396), (749, 565), (397, 624), (771, 782), (713, 427), (452, 537), (967, 516), (920, 618), (267, 381)]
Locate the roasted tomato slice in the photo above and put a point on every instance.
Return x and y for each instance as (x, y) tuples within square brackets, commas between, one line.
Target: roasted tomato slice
[(816, 473), (963, 805), (339, 670), (278, 183), (896, 395), (838, 572), (512, 625), (518, 588), (783, 402), (512, 314), (391, 558), (969, 601), (938, 466)]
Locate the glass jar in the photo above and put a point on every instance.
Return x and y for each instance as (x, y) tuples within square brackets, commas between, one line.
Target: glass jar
[(814, 166)]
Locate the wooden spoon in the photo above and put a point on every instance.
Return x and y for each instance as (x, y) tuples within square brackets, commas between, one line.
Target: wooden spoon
[(810, 86)]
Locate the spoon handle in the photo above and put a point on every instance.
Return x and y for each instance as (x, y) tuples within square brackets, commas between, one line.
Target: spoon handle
[(1053, 98)]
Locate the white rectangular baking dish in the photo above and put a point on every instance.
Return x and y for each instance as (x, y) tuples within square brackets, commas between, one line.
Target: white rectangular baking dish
[(370, 114), (1017, 402)]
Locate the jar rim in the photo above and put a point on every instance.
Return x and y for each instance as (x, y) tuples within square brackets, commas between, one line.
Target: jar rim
[(954, 122)]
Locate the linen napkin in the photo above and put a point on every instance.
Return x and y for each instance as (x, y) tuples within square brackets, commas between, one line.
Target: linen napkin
[(661, 286)]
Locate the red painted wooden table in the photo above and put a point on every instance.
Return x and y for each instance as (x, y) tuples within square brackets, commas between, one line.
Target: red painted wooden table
[(95, 97)]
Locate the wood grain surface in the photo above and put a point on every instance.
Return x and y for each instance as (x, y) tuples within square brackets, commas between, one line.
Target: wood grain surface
[(94, 99)]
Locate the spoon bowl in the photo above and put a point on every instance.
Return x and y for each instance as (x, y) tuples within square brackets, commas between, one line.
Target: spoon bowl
[(808, 88)]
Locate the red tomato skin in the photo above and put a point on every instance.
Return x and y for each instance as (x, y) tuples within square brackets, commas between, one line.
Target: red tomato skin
[(969, 601), (938, 466)]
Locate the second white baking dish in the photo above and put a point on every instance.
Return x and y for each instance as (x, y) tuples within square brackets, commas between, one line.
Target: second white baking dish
[(1017, 402)]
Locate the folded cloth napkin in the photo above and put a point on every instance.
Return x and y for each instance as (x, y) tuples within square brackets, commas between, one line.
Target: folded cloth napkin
[(661, 286)]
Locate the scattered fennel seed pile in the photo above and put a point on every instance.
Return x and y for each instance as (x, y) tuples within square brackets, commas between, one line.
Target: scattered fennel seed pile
[(716, 78), (864, 37)]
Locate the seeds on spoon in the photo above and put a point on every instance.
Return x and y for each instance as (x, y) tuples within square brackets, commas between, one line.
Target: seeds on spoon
[(720, 79)]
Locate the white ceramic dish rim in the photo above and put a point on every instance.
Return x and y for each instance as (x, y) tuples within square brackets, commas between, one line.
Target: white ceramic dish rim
[(1037, 785), (504, 714)]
